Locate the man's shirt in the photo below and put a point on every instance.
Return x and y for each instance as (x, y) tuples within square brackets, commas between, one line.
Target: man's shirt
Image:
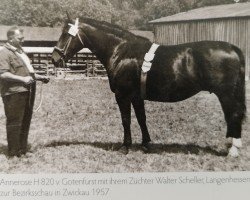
[(16, 63)]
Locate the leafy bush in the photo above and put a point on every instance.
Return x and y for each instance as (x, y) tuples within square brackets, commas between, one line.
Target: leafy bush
[(127, 13)]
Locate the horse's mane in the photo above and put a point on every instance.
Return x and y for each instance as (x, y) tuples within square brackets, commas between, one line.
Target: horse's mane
[(113, 28)]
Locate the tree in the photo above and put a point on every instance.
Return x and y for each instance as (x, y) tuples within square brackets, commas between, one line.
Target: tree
[(52, 12), (155, 9), (127, 13)]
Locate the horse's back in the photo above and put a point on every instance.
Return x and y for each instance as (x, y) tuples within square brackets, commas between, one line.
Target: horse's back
[(180, 71)]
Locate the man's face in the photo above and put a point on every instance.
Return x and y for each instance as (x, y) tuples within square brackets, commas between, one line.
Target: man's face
[(17, 39)]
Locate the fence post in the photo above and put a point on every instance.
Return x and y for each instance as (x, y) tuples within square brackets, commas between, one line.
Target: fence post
[(47, 67), (93, 67)]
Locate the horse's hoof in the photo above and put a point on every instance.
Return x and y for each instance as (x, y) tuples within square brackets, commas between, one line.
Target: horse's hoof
[(146, 148), (233, 152), (123, 150)]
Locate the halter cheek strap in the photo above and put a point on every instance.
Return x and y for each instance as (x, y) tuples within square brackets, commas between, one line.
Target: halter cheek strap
[(67, 46), (80, 39)]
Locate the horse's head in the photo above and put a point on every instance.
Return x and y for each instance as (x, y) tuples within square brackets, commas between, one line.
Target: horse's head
[(69, 43)]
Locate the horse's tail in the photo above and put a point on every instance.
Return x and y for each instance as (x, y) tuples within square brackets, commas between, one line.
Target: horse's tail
[(240, 91)]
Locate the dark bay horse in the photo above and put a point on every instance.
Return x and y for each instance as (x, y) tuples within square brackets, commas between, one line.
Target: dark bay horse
[(177, 73)]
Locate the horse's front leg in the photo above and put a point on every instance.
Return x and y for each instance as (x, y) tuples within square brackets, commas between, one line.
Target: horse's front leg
[(124, 104), (139, 108)]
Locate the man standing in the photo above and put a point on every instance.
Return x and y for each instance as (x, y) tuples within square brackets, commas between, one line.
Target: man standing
[(17, 87)]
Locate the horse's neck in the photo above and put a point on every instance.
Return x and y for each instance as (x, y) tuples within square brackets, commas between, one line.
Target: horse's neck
[(102, 44)]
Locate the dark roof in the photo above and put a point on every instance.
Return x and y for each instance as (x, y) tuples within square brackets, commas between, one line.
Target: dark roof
[(47, 50), (235, 10), (34, 33), (147, 34), (53, 34)]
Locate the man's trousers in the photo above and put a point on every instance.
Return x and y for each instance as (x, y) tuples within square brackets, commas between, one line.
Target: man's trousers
[(18, 110)]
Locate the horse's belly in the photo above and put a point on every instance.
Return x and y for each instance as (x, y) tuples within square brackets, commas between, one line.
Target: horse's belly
[(171, 94)]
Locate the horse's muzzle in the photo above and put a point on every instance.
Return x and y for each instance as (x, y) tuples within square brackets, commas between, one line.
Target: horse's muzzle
[(57, 57)]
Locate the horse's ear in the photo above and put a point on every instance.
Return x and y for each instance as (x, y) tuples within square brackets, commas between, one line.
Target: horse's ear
[(68, 17)]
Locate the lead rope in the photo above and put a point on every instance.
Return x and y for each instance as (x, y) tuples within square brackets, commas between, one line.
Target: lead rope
[(41, 99)]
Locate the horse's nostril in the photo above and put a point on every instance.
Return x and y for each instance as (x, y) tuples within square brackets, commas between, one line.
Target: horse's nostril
[(54, 62)]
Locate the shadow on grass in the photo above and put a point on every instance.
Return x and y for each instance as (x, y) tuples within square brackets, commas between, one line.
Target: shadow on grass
[(3, 149), (154, 148)]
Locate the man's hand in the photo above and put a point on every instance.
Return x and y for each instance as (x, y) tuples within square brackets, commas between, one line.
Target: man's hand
[(44, 79), (27, 80)]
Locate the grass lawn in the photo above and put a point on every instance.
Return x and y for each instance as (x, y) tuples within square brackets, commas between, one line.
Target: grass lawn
[(78, 129)]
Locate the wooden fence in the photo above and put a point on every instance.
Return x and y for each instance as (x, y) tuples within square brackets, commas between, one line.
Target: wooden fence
[(84, 62)]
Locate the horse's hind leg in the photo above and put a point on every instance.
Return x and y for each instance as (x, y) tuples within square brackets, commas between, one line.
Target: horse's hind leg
[(234, 111), (139, 108), (124, 104)]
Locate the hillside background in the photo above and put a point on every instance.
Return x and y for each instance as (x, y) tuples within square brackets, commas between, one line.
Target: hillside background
[(130, 14)]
